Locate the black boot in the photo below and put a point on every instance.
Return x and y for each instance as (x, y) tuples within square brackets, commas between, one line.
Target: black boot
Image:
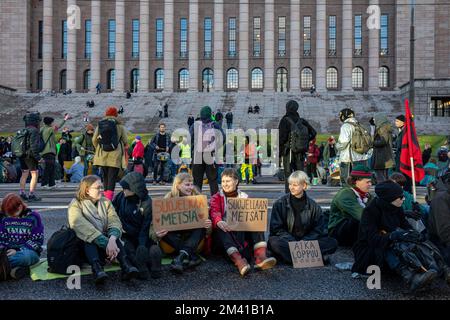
[(155, 261), (99, 275), (141, 262), (177, 263), (128, 271), (416, 280)]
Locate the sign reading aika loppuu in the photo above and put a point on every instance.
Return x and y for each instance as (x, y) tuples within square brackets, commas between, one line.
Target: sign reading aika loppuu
[(247, 214), (181, 213), (306, 254)]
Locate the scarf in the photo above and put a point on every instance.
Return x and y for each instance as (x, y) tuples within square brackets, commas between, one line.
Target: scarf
[(96, 214), (232, 194), (363, 196)]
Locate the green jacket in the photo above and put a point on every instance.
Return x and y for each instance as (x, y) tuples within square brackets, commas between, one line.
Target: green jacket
[(83, 141), (48, 134), (345, 205)]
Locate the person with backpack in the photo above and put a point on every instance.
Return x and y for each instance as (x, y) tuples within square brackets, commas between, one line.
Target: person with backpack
[(26, 146), (382, 157), (48, 133), (160, 143), (95, 222), (21, 235), (206, 137), (295, 133), (134, 208), (85, 147), (354, 144), (110, 142), (229, 118)]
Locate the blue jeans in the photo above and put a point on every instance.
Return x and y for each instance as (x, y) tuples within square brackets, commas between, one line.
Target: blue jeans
[(23, 258)]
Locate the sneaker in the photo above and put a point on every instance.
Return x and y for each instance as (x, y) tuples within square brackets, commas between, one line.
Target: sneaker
[(45, 187), (19, 272), (33, 197), (23, 196), (194, 261), (253, 181)]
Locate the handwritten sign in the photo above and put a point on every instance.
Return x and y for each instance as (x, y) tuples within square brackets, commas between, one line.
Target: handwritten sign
[(181, 213), (306, 254), (247, 214)]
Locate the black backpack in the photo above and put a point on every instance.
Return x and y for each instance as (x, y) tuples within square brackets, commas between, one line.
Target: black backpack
[(21, 143), (298, 137), (63, 250), (5, 267), (109, 139)]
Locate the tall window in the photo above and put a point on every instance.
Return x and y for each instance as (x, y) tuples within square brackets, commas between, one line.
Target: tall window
[(332, 36), (111, 39), (282, 79), (86, 79), (87, 39), (208, 37), (39, 80), (332, 78), (306, 78), (307, 36), (358, 35), (281, 36), (41, 37), (256, 36), (64, 40), (159, 38), (134, 85), (62, 79), (183, 38), (232, 79), (383, 77), (384, 34), (159, 79), (232, 37), (111, 79), (183, 79), (135, 49), (357, 78), (257, 79), (207, 79)]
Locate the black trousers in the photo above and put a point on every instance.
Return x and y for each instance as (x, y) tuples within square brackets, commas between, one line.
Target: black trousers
[(94, 252), (292, 162), (239, 239), (280, 247), (109, 177), (198, 170), (130, 246), (346, 232), (158, 170), (49, 170), (187, 240)]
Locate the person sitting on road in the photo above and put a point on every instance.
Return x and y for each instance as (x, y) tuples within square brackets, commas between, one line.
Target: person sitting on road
[(21, 235), (97, 224), (76, 171), (184, 243), (235, 242), (134, 208), (296, 217), (348, 204)]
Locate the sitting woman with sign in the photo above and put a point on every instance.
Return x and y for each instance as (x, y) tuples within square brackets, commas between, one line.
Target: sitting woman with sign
[(296, 217), (236, 243), (96, 223), (184, 242)]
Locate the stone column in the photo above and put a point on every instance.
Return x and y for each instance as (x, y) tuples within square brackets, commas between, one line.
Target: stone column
[(120, 46), (269, 45), (294, 45), (71, 61), (168, 45), (321, 45), (347, 45), (193, 45), (374, 55), (47, 49), (144, 62), (95, 45), (243, 45), (218, 45)]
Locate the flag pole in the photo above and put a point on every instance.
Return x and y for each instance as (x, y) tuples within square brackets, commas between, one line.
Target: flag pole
[(408, 121)]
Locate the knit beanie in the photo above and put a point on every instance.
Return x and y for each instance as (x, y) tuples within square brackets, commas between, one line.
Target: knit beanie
[(205, 113), (401, 117), (389, 191), (111, 112), (138, 138), (48, 120)]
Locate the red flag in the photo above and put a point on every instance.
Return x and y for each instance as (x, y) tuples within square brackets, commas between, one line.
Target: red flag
[(410, 148)]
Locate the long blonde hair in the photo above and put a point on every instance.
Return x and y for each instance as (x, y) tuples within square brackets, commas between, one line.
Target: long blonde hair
[(179, 179), (85, 184)]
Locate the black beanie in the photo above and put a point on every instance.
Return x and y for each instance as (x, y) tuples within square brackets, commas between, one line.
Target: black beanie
[(48, 120), (389, 191), (291, 106), (401, 117)]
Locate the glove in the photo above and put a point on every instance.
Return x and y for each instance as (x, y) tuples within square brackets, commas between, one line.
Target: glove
[(396, 235), (412, 236), (416, 215)]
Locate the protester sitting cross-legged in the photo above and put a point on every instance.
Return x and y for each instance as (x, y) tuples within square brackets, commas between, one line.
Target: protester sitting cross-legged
[(21, 234), (348, 204), (185, 243), (134, 208), (236, 243), (296, 217), (75, 171), (387, 240), (96, 223)]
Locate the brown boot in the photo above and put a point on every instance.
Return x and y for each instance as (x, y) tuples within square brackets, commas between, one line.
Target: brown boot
[(240, 262), (262, 262)]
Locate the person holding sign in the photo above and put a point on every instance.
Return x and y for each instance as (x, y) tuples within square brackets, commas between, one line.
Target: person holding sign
[(235, 243), (183, 242), (296, 217), (134, 208)]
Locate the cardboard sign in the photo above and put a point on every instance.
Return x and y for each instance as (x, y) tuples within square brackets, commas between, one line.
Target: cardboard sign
[(306, 254), (247, 214), (181, 213)]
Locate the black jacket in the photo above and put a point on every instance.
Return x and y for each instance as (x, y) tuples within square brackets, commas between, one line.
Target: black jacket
[(283, 217), (285, 128), (439, 217), (229, 117), (378, 220)]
